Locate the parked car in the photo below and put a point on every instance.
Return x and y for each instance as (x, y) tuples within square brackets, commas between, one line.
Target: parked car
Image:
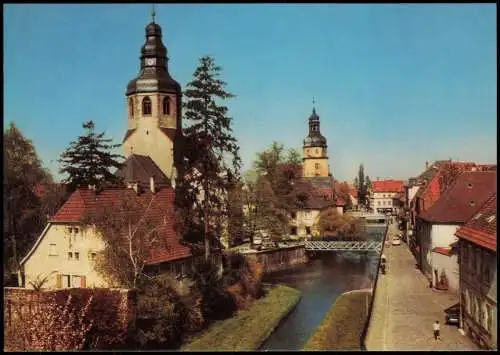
[(452, 314), (396, 241)]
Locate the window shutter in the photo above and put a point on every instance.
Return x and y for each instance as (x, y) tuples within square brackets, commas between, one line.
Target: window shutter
[(83, 282), (58, 280)]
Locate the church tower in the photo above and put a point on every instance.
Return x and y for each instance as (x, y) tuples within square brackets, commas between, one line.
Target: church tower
[(153, 101), (315, 150)]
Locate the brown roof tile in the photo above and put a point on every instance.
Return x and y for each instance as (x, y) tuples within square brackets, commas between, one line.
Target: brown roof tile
[(388, 186), (140, 168), (463, 198), (481, 228), (160, 212)]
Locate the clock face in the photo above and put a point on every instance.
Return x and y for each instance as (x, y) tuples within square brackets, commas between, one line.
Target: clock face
[(150, 61)]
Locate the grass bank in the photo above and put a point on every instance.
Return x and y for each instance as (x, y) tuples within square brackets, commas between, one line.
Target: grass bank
[(342, 327), (248, 329)]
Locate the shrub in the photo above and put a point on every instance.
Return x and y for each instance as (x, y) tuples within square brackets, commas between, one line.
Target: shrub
[(160, 313), (69, 319), (216, 302)]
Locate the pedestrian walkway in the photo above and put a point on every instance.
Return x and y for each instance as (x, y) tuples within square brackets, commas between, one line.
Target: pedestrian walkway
[(405, 308)]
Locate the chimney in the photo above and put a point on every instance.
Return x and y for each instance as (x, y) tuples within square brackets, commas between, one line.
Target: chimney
[(152, 184), (426, 165)]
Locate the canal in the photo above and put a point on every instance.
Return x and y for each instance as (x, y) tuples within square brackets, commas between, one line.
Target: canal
[(320, 281)]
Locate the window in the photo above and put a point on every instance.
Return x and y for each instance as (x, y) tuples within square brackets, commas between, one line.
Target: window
[(316, 151), (478, 262), (378, 203), (77, 255), (308, 230), (490, 219), (70, 255), (52, 249), (316, 166), (92, 255), (66, 281), (293, 215), (75, 230), (146, 106), (70, 230), (486, 266), (131, 107), (488, 317), (293, 231), (166, 105)]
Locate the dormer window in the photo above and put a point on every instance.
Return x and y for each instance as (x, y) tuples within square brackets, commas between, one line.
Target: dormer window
[(477, 216), (166, 105), (472, 203), (469, 185), (146, 106), (490, 219)]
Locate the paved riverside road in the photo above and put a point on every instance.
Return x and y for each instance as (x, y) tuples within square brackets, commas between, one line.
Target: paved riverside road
[(405, 308)]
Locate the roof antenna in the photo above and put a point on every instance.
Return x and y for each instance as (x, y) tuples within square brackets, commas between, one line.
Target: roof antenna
[(153, 13)]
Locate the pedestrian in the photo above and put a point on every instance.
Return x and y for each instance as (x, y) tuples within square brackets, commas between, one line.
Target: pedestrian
[(436, 331)]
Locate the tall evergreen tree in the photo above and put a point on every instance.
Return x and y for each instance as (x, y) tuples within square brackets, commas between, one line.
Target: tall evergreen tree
[(361, 185), (214, 167), (89, 160)]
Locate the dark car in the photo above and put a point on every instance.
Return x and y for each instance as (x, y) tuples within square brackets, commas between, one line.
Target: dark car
[(452, 314)]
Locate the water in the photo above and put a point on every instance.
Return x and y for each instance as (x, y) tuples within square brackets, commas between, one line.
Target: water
[(320, 281)]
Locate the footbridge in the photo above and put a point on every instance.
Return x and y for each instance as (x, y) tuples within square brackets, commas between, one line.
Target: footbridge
[(321, 245)]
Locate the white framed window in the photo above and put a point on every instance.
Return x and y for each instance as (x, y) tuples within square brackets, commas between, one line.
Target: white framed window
[(66, 281), (52, 249)]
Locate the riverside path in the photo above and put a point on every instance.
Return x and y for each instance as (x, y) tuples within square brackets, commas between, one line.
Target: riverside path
[(405, 308)]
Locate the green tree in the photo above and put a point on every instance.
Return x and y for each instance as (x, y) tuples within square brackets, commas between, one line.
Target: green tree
[(21, 218), (89, 160), (212, 165), (356, 182), (362, 191), (294, 156), (343, 193), (268, 160)]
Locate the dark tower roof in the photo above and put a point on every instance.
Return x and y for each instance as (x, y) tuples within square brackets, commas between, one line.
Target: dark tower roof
[(314, 138), (154, 76)]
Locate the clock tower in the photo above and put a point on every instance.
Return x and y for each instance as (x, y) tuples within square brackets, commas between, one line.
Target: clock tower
[(153, 101), (315, 150)]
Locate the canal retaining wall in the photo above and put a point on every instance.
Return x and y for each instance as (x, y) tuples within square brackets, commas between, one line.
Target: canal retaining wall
[(365, 334), (279, 259)]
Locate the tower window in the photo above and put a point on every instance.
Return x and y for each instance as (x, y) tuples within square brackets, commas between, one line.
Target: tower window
[(131, 107), (166, 105), (146, 106), (316, 165)]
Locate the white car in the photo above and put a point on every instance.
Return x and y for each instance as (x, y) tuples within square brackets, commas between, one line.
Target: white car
[(396, 241)]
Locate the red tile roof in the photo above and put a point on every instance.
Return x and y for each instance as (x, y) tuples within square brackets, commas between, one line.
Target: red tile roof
[(159, 211), (388, 186), (441, 250), (463, 198), (481, 228), (353, 192)]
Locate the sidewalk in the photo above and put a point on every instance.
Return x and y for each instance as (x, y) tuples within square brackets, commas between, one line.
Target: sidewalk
[(405, 308)]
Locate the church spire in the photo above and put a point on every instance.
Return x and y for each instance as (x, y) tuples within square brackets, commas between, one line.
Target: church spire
[(314, 138), (154, 75)]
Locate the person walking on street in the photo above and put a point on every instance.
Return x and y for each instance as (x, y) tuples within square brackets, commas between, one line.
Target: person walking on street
[(436, 331)]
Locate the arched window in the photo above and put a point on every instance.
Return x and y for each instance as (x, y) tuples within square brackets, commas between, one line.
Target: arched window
[(131, 107), (166, 105), (146, 106)]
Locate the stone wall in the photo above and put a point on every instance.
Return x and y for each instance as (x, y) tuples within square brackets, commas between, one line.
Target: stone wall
[(111, 311), (280, 259)]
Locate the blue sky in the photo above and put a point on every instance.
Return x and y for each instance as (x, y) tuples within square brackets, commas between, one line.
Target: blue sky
[(395, 85)]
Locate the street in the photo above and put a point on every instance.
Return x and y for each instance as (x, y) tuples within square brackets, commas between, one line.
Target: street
[(405, 308)]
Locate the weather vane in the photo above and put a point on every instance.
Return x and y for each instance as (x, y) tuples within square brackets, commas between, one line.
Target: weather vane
[(153, 13)]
